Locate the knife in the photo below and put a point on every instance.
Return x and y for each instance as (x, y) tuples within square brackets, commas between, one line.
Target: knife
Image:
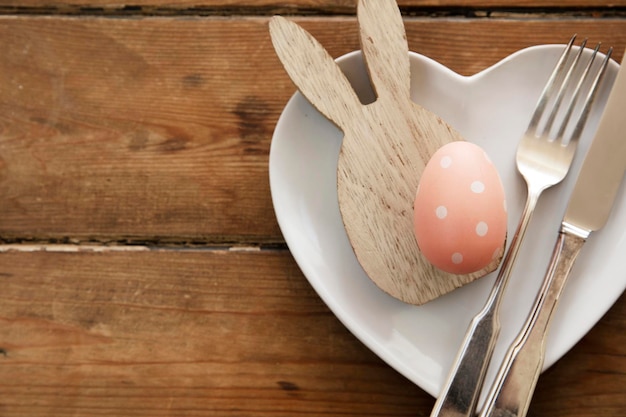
[(588, 210)]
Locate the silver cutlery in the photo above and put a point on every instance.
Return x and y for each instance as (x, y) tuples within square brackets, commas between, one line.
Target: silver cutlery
[(543, 161), (588, 210)]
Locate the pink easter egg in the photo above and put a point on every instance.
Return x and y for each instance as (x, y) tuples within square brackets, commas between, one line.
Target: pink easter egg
[(460, 214)]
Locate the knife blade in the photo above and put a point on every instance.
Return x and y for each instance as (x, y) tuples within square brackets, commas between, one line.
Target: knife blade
[(603, 168), (588, 210)]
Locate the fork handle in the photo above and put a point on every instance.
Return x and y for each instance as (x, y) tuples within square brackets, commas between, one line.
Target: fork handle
[(460, 392), (515, 382)]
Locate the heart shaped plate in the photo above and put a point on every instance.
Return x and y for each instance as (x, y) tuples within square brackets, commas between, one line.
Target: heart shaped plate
[(491, 109)]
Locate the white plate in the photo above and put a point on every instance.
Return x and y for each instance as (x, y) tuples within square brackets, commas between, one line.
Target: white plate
[(491, 109)]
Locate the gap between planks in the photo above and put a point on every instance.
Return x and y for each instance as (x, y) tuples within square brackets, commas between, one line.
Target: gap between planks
[(428, 11), (95, 248)]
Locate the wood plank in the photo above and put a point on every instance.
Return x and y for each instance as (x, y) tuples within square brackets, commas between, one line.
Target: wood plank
[(328, 6), (137, 127), (159, 128), (180, 333), (191, 333)]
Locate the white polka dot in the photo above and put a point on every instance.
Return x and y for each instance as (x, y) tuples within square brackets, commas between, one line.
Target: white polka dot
[(457, 258), (445, 162), (497, 253), (441, 212), (477, 187), (482, 229)]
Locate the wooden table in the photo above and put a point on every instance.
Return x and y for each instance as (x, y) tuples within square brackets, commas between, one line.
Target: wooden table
[(142, 271)]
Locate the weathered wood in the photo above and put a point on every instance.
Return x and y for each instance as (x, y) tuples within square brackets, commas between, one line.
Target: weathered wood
[(180, 333), (338, 6), (136, 125), (161, 127), (197, 333)]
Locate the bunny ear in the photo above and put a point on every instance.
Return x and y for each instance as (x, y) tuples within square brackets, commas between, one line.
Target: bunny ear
[(385, 48), (314, 72)]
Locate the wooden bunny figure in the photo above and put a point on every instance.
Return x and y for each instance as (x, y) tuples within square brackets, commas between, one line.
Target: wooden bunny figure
[(385, 148)]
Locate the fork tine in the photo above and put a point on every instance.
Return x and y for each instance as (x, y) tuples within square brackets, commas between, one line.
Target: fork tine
[(590, 98), (561, 93), (577, 92), (547, 90)]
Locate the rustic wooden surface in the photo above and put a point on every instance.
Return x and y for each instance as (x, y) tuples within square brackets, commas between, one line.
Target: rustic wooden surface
[(316, 6), (142, 271)]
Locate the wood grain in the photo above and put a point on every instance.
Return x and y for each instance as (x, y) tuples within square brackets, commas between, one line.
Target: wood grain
[(137, 126), (195, 333), (222, 333), (159, 128), (329, 6)]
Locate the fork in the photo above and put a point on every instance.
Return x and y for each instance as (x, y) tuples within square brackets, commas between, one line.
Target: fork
[(543, 159)]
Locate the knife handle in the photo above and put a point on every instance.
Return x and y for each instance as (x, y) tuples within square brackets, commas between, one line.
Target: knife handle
[(515, 382)]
